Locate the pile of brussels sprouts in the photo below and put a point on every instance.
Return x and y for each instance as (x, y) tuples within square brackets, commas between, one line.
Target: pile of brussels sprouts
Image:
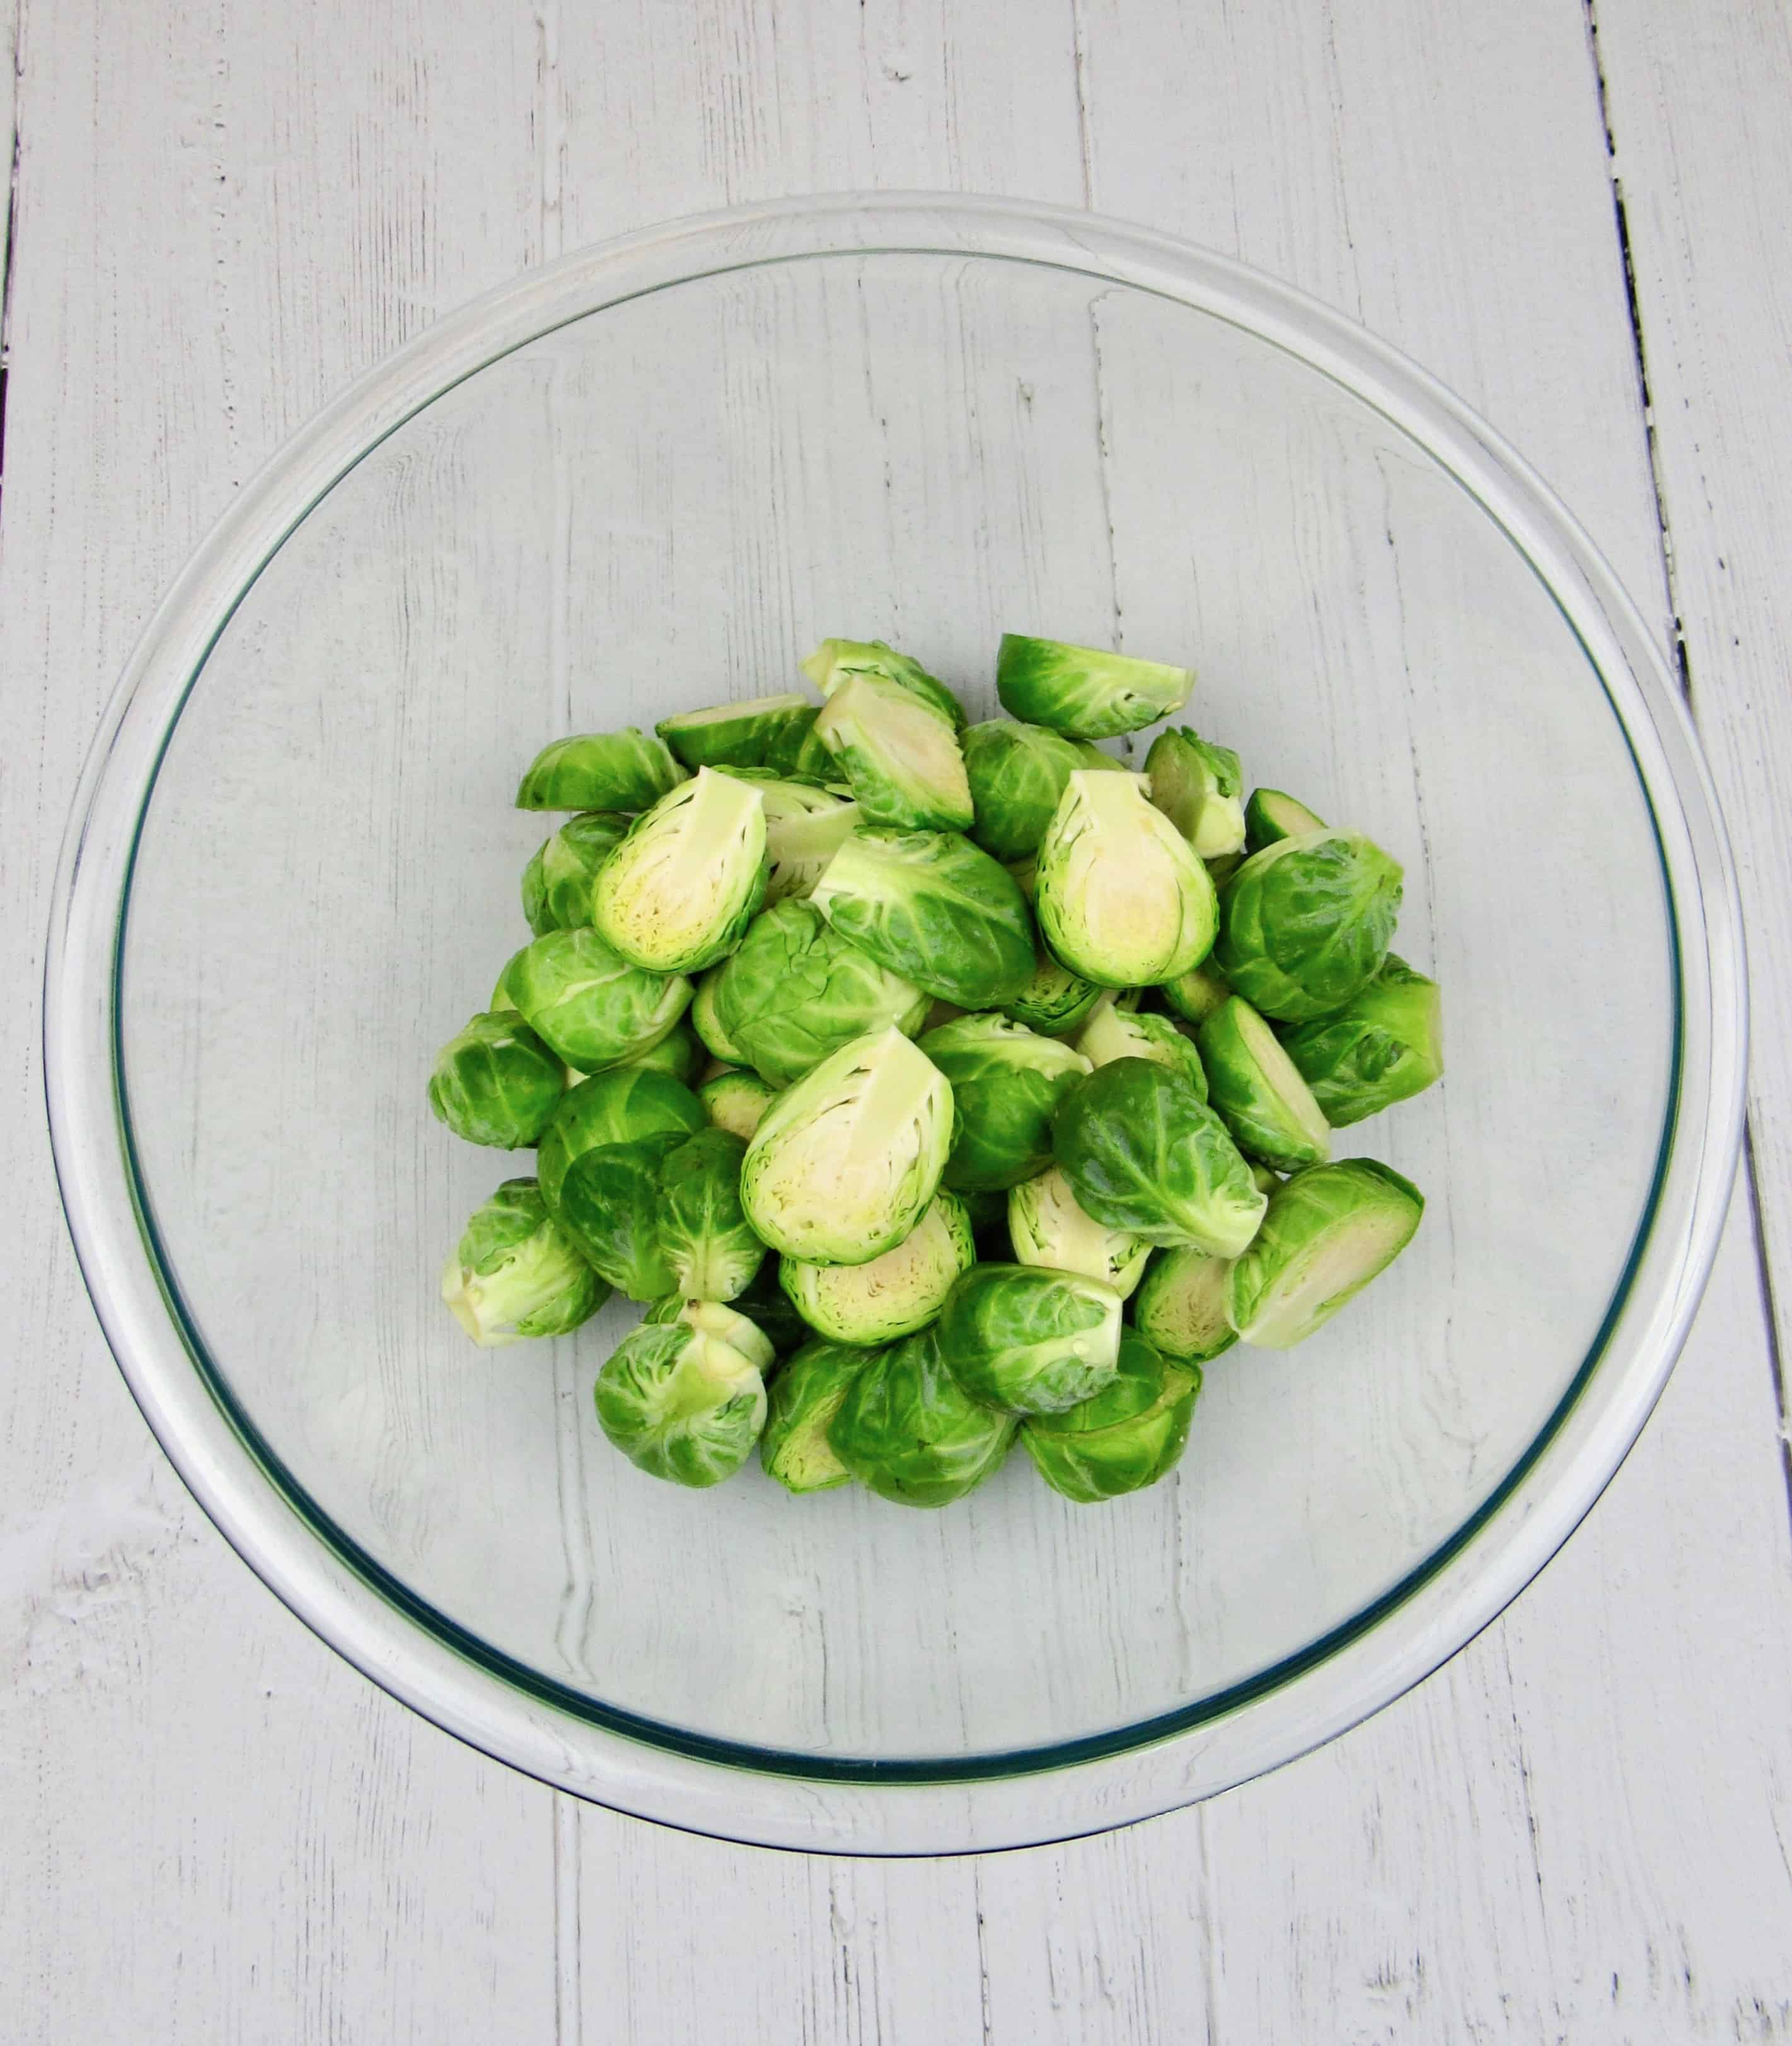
[(888, 1058)]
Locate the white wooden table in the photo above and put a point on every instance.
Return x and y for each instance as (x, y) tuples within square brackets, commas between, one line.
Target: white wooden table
[(213, 1830)]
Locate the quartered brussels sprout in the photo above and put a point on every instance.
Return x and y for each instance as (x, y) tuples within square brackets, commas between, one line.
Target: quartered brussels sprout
[(1084, 692), (557, 882), (715, 1318), (588, 1004), (1270, 816), (1126, 1438), (1007, 1082), (620, 1106), (1258, 1093), (703, 1233), (900, 755), (1180, 1308), (1047, 1226), (1113, 1032), (1194, 995), (1143, 1153), (736, 1101), (1384, 1045), (1017, 774), (1027, 1340), (680, 1404), (895, 1294), (804, 1399), (517, 1273), (932, 907), (837, 661), (1198, 786), (764, 732), (680, 1052), (910, 1433), (1329, 1230), (796, 990), (495, 1082), (1122, 899), (1306, 924), (805, 827), (1056, 1001), (844, 1162), (676, 894), (600, 771)]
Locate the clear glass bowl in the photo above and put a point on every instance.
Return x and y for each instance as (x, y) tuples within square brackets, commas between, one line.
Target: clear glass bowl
[(650, 476)]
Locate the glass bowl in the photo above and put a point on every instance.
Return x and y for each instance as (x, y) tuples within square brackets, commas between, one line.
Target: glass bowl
[(652, 477)]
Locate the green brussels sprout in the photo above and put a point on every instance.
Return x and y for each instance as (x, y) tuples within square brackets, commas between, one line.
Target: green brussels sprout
[(836, 660), (1124, 1439), (1055, 1002), (620, 1106), (677, 893), (764, 732), (932, 907), (939, 1014), (1091, 755), (714, 1317), (804, 827), (1113, 1032), (1384, 1045), (843, 1163), (557, 882), (587, 1004), (1028, 1340), (1007, 1083), (1221, 871), (517, 1273), (796, 991), (1122, 899), (895, 1294), (1017, 774), (680, 1052), (1143, 1153), (608, 1202), (900, 755), (1180, 1308), (495, 1082), (600, 771), (1329, 1230), (708, 1025), (680, 1404), (501, 1002), (1270, 816), (1263, 1177), (736, 1101), (1194, 995), (910, 1433), (1258, 1092), (1305, 923), (1084, 692), (1198, 785), (804, 1397), (1026, 876), (1046, 1226), (704, 1234), (771, 1312), (988, 1211)]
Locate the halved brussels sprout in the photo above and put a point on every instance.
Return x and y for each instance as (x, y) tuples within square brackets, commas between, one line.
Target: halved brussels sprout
[(1180, 1308), (1056, 1001), (1122, 899), (517, 1273), (1047, 1226), (713, 1317), (836, 660), (1143, 1153), (1385, 1044), (1306, 924), (676, 894), (708, 1025), (804, 827), (1027, 1340), (588, 1004), (557, 882), (804, 1397), (736, 1101), (1007, 1083), (910, 1433), (1124, 1439), (599, 770), (1113, 1032), (621, 1106), (1085, 692), (763, 732), (680, 1052), (1198, 785), (1329, 1230), (1260, 1096), (895, 1294), (900, 755), (1270, 816), (1017, 774), (1194, 995), (495, 1082), (703, 1233), (843, 1163), (680, 1404), (931, 906)]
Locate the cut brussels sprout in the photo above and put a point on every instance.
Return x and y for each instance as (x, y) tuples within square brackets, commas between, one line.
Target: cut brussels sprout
[(1306, 924), (804, 1399), (1122, 899), (837, 661), (1027, 1340), (708, 1025), (736, 1101), (931, 906), (1385, 1045), (680, 1404), (1259, 1095), (1270, 816), (1124, 1439), (1113, 1032), (1017, 774), (1198, 786), (600, 771), (910, 1433), (1329, 1230), (900, 755), (1180, 1308), (714, 1317), (1085, 692), (517, 1273), (1056, 1001), (895, 1294), (764, 732), (588, 1004), (1194, 995), (1143, 1153), (804, 827), (622, 1106), (676, 894), (495, 1082), (703, 1233), (1007, 1083), (557, 882), (843, 1164), (679, 1053), (1047, 1226)]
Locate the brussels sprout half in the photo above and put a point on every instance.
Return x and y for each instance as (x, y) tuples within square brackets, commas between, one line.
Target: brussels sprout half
[(804, 827), (1270, 816), (763, 732), (680, 1404), (496, 1082), (1197, 786), (1305, 923), (836, 660), (1047, 1226), (676, 894), (1328, 1231), (1027, 1340), (1194, 995), (715, 1318), (1180, 1308), (1085, 692), (1017, 774), (1124, 1439), (588, 1004), (1259, 1095), (1055, 1002), (1006, 1082), (892, 1295), (1113, 1032), (557, 882), (600, 771), (516, 1273), (804, 1399), (908, 1431), (900, 755), (1385, 1045), (736, 1101), (703, 1233)]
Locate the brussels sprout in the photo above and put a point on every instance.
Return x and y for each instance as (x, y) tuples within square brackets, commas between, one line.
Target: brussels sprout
[(1056, 1001), (587, 1004), (932, 907), (600, 771), (1124, 1439), (713, 1318), (517, 1273), (1386, 1045), (1113, 1032), (496, 1082), (1328, 1232), (704, 1235), (796, 991), (679, 1053), (680, 1404), (988, 1211), (1194, 995), (1263, 1177), (1197, 786), (1180, 1308), (1221, 871), (764, 732), (678, 891), (772, 1314), (1143, 1153), (708, 1025), (804, 827), (1026, 876), (1027, 1340), (1017, 774), (908, 1430), (1269, 815), (844, 1162), (939, 1014), (622, 1106), (836, 660), (608, 1202), (557, 882), (1306, 923), (900, 755), (1082, 691), (895, 1294), (1259, 1095), (1047, 1227), (1007, 1083), (736, 1101), (804, 1397), (501, 1002), (1091, 755), (1122, 899)]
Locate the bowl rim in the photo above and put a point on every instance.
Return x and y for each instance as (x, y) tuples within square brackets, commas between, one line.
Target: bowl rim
[(863, 1806)]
